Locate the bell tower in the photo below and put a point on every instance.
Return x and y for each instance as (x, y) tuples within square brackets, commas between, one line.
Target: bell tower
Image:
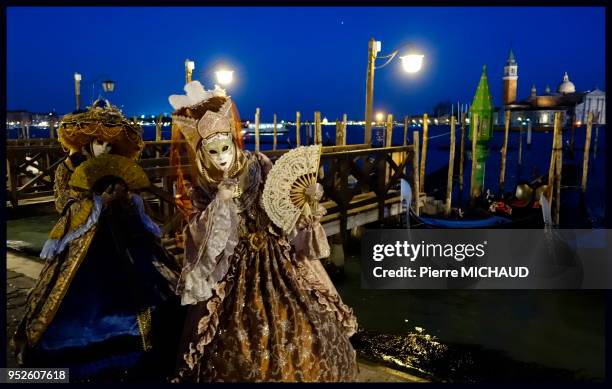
[(510, 79)]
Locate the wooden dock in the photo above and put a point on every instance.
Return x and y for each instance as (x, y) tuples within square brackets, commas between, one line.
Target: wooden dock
[(361, 183)]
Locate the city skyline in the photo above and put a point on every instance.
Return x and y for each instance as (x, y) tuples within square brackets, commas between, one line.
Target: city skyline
[(283, 66)]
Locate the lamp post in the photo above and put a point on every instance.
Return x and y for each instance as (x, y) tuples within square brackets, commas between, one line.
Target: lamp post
[(77, 89), (108, 86), (189, 66), (411, 63), (223, 75)]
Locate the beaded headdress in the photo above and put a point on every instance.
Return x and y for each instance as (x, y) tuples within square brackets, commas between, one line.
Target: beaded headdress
[(104, 122)]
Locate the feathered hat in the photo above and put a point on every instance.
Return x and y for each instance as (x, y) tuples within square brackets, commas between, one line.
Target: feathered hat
[(211, 123)]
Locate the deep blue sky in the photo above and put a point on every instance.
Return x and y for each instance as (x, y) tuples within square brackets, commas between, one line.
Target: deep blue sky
[(289, 59)]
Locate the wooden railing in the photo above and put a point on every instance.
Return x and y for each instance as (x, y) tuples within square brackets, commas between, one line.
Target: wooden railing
[(353, 176)]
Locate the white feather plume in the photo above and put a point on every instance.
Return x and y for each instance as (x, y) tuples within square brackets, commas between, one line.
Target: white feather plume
[(195, 94)]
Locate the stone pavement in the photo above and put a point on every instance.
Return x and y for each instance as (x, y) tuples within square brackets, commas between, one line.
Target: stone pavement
[(17, 286), (21, 275)]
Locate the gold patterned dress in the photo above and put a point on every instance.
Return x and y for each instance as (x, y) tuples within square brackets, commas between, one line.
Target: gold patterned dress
[(99, 306), (260, 308)]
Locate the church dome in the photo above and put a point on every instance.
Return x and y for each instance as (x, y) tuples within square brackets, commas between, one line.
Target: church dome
[(566, 86)]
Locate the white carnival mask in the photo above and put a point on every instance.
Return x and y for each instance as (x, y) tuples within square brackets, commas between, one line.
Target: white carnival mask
[(99, 147), (220, 149)]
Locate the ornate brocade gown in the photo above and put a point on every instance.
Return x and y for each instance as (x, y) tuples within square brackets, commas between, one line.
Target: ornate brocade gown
[(100, 306), (260, 309)]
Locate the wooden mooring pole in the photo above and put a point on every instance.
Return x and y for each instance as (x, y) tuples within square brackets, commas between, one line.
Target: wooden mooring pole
[(51, 127), (341, 131), (405, 142), (297, 129), (257, 129), (388, 142), (344, 127), (451, 164), (317, 135), (389, 130), (274, 141), (461, 151), (158, 133), (554, 171), (473, 192), (553, 156), (415, 172), (504, 152), (587, 147), (558, 172), (424, 152), (520, 150)]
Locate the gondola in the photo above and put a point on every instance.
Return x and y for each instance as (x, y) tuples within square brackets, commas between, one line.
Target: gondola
[(532, 218)]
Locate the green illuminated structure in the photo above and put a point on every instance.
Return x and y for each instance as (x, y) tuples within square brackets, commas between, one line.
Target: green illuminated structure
[(482, 107)]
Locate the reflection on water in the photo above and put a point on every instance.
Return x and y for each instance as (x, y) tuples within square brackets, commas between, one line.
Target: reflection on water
[(561, 330), (30, 233)]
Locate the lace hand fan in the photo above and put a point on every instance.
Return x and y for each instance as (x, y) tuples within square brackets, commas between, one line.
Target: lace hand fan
[(91, 171), (284, 196)]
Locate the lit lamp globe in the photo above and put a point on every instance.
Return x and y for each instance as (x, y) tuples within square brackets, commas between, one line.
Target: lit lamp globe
[(108, 86), (225, 77), (412, 62), (380, 116)]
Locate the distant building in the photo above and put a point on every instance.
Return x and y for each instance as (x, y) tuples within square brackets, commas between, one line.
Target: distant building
[(510, 79), (17, 117), (594, 101), (22, 117), (23, 120), (540, 109)]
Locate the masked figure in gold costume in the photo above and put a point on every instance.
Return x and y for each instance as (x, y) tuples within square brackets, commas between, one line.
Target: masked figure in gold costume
[(101, 301), (260, 305)]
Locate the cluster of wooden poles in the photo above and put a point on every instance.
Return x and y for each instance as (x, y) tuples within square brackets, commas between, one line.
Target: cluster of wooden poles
[(554, 177), (318, 138), (419, 167), (556, 162), (419, 161)]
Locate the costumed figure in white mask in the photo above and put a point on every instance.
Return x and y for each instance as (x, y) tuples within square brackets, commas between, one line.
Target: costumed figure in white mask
[(102, 300), (260, 305)]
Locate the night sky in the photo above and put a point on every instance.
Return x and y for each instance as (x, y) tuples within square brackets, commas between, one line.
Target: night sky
[(287, 59)]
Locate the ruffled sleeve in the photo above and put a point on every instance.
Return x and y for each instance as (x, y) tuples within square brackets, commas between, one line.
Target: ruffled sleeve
[(211, 235), (56, 244)]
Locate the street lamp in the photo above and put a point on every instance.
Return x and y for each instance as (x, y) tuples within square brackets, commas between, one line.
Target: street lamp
[(77, 89), (224, 76), (189, 66), (411, 63), (108, 86)]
